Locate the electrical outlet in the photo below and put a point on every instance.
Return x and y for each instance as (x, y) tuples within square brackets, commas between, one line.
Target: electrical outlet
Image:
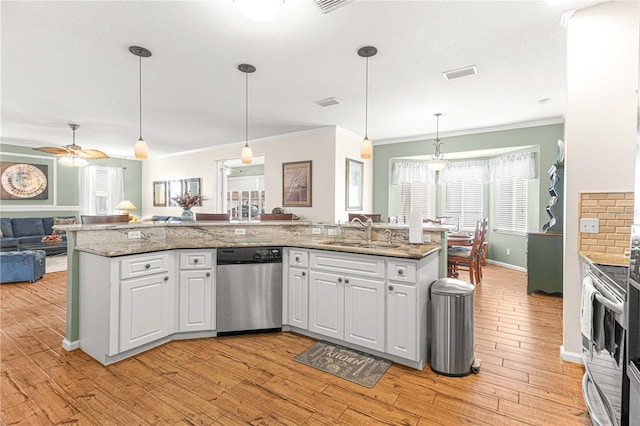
[(134, 234), (331, 231), (316, 231), (508, 252), (589, 225), (240, 231)]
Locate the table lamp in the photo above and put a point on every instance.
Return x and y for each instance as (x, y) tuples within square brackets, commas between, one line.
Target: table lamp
[(125, 206)]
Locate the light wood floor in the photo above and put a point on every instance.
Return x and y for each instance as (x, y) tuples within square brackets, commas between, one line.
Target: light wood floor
[(253, 379)]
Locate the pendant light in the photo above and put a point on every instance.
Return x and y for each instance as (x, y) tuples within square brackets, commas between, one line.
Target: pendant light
[(247, 155), (140, 149), (437, 161), (365, 146)]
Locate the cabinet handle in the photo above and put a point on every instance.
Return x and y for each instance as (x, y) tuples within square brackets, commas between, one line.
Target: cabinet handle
[(147, 266), (391, 287), (195, 260), (166, 278), (339, 280), (346, 280), (208, 274), (304, 273), (297, 258), (400, 272)]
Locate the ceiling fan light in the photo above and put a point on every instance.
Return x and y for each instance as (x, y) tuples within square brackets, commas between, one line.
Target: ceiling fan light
[(246, 155), (79, 162), (141, 150), (259, 10), (437, 165), (365, 148), (66, 161)]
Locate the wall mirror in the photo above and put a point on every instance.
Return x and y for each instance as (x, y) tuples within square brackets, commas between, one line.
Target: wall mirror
[(192, 186), (175, 190), (160, 193), (354, 174)]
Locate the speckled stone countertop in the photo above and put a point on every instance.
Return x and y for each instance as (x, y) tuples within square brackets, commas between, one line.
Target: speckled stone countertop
[(605, 258), (113, 240)]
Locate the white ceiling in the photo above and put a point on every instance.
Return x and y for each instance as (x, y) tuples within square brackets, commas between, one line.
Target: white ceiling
[(68, 61)]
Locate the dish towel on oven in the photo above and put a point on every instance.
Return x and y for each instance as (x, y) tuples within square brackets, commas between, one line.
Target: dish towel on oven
[(586, 312)]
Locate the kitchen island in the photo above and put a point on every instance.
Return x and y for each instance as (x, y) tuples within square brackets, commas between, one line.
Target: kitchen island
[(124, 282)]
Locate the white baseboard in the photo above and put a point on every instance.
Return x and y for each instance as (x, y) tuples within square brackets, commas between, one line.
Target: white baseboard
[(68, 345), (570, 356), (507, 265)]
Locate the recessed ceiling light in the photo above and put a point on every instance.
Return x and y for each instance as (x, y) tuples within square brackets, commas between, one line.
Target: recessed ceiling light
[(327, 102), (460, 72)]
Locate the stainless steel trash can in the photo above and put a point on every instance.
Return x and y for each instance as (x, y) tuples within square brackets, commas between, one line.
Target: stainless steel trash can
[(452, 327)]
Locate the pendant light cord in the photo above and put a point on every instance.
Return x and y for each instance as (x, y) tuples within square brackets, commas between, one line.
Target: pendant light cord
[(366, 101), (246, 110), (140, 94)]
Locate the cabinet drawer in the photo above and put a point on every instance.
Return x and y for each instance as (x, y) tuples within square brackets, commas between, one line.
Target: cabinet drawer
[(344, 264), (135, 266), (298, 258), (401, 271), (196, 259)]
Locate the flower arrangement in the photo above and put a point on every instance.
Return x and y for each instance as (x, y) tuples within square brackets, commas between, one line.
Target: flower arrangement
[(187, 200)]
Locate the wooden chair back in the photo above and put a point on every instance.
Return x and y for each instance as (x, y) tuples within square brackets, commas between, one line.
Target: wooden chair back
[(102, 219), (470, 259), (276, 216), (364, 216), (220, 217)]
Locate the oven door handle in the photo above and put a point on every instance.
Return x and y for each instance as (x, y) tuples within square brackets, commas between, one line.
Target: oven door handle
[(617, 308)]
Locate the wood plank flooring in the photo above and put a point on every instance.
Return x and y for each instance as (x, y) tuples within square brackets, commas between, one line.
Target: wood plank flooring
[(253, 379)]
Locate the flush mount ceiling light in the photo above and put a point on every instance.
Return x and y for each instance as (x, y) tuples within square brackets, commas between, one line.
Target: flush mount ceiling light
[(437, 161), (247, 155), (140, 149), (73, 155), (259, 10), (365, 146)]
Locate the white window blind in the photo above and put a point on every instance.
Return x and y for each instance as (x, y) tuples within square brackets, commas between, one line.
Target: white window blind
[(511, 205), (464, 199), (412, 197)]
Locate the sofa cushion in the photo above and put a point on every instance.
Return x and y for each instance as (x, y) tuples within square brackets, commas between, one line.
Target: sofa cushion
[(48, 225), (62, 221), (27, 226), (5, 225), (9, 243)]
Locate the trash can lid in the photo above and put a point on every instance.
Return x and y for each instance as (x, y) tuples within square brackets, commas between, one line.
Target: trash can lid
[(451, 286)]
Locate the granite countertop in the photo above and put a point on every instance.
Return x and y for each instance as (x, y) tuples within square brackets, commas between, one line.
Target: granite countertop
[(397, 249), (605, 258)]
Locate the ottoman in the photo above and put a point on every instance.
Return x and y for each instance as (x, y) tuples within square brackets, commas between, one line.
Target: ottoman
[(22, 266)]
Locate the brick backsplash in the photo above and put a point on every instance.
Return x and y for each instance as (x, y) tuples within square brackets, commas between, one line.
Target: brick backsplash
[(615, 213)]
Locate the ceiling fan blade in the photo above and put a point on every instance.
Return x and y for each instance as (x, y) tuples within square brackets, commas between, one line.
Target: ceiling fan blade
[(91, 154), (53, 150)]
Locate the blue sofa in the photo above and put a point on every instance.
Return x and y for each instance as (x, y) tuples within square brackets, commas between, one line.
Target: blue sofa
[(17, 266), (27, 230)]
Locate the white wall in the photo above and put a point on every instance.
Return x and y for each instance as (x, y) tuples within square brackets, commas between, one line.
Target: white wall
[(317, 145), (348, 146), (600, 127)]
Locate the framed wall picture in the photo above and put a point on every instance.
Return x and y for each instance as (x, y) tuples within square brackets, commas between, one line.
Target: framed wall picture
[(353, 180), (192, 186), (160, 193), (296, 184), (175, 190), (22, 181)]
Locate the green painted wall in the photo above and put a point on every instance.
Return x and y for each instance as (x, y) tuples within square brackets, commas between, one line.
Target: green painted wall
[(63, 188), (544, 140)]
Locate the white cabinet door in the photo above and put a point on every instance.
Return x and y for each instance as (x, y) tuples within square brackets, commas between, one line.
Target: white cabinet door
[(364, 322), (326, 304), (145, 310), (402, 338), (195, 307), (298, 294)]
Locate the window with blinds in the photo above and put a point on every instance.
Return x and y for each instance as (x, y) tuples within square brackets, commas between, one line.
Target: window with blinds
[(464, 199), (413, 197), (511, 205)]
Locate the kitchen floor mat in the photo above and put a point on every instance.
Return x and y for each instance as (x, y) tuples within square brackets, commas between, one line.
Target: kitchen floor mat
[(349, 364)]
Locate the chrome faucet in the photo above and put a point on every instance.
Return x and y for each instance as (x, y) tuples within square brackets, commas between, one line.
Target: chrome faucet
[(368, 224)]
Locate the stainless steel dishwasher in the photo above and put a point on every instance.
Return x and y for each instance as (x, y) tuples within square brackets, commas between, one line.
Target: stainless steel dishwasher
[(249, 290)]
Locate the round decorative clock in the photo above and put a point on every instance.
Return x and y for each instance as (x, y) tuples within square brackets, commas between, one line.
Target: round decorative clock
[(23, 180)]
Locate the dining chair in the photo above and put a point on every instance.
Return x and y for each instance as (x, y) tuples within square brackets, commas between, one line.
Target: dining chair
[(482, 246), (467, 257), (276, 216), (220, 217), (102, 219), (365, 216)]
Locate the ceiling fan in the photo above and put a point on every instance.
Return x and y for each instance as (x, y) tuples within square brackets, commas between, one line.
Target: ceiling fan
[(73, 155)]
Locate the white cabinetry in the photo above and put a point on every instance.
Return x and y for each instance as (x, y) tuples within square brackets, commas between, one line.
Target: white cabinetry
[(402, 309), (124, 302), (196, 294), (346, 298), (297, 294)]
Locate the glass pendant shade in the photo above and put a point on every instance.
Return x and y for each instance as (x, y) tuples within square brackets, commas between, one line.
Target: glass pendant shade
[(141, 150), (437, 165), (72, 161), (246, 155), (365, 148), (259, 10)]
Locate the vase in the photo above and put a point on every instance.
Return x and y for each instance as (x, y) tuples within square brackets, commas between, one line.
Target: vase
[(187, 214)]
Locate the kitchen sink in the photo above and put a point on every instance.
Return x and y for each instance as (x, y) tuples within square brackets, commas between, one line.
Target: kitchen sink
[(358, 243)]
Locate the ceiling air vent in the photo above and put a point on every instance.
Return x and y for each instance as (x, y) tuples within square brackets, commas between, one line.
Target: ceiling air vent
[(327, 6), (460, 72), (327, 102)]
